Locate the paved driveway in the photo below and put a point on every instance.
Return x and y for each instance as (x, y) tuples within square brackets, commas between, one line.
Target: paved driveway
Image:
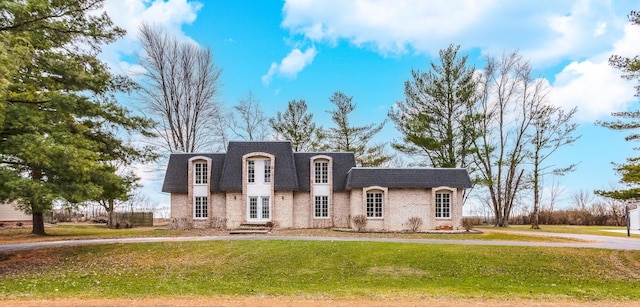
[(618, 243)]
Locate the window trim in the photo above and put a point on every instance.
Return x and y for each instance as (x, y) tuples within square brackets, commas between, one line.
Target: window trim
[(200, 172), (440, 207), (200, 207), (267, 170), (321, 207), (321, 171), (251, 171), (377, 199)]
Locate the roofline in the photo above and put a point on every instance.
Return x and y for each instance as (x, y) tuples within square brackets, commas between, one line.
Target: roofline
[(411, 168)]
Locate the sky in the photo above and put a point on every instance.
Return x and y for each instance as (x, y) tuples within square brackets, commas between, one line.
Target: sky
[(304, 49)]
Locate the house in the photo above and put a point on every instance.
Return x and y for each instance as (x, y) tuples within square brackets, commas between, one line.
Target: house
[(634, 219), (10, 215), (266, 182)]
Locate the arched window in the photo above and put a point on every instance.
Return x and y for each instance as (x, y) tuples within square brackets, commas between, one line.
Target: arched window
[(443, 204), (375, 204)]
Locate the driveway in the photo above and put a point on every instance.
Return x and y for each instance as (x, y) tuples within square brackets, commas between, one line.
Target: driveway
[(592, 241)]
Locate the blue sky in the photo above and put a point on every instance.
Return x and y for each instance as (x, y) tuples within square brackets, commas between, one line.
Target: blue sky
[(303, 49)]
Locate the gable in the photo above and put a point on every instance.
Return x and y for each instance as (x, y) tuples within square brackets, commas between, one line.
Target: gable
[(342, 162), (176, 179), (285, 177)]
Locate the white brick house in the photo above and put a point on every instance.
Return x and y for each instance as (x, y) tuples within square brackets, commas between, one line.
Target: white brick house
[(266, 182)]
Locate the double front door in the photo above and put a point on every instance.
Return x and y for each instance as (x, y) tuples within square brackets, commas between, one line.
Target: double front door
[(259, 209)]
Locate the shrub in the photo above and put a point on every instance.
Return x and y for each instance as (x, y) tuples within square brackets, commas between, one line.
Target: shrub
[(218, 223), (19, 224), (360, 222), (181, 224), (414, 223), (468, 223)]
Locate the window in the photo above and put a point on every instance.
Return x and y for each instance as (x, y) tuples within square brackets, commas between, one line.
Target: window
[(267, 170), (253, 207), (322, 172), (266, 212), (321, 208), (200, 207), (443, 205), (200, 172), (374, 204), (251, 171)]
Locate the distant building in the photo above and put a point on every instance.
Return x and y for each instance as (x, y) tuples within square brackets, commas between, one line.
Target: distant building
[(268, 183), (634, 219), (9, 214)]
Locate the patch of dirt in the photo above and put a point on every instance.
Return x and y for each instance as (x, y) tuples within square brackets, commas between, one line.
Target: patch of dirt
[(12, 263)]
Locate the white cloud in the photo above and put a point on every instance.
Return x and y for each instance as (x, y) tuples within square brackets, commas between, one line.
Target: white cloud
[(545, 32), (593, 85), (291, 64), (130, 14), (596, 88), (389, 26)]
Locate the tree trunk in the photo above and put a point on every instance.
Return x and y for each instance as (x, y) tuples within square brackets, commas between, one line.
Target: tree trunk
[(110, 214), (38, 224)]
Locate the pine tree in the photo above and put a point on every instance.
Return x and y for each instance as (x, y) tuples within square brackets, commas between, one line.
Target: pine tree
[(629, 171), (64, 121), (297, 126), (347, 138)]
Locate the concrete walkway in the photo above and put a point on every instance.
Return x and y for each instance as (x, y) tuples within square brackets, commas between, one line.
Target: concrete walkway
[(592, 241)]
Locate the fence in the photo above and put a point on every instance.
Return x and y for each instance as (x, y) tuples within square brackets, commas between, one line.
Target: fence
[(132, 219)]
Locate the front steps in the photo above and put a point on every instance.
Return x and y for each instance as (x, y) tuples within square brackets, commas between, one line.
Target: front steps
[(249, 229)]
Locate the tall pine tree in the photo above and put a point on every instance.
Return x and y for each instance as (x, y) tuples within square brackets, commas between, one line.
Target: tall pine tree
[(628, 120), (345, 137), (61, 120)]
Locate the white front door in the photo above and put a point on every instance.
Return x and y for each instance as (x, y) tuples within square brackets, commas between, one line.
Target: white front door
[(259, 209)]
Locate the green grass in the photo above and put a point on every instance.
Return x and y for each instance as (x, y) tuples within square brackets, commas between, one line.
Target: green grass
[(71, 231), (589, 230), (313, 269)]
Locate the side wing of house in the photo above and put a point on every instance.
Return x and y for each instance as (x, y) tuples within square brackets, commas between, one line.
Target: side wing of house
[(390, 197)]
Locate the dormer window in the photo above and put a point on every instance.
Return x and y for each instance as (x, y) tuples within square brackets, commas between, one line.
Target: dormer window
[(251, 171), (321, 172), (200, 172), (267, 170)]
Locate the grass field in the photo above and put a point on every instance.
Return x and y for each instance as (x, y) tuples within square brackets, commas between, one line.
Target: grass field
[(588, 230), (309, 269), (71, 231)]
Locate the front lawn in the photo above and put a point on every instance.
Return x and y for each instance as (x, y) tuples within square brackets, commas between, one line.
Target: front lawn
[(321, 269)]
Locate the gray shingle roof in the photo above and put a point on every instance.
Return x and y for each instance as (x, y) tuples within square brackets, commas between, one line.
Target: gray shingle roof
[(285, 175), (342, 163), (360, 177), (176, 179), (292, 171)]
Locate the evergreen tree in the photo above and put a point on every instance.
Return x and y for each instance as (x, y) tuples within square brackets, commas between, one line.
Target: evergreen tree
[(630, 171), (297, 126), (436, 118), (64, 119), (347, 138)]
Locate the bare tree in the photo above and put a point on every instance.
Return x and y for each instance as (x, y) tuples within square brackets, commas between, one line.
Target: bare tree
[(180, 85), (247, 120), (582, 199), (507, 90), (552, 129)]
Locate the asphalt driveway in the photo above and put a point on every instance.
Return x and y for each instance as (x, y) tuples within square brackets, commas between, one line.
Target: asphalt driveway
[(591, 241)]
